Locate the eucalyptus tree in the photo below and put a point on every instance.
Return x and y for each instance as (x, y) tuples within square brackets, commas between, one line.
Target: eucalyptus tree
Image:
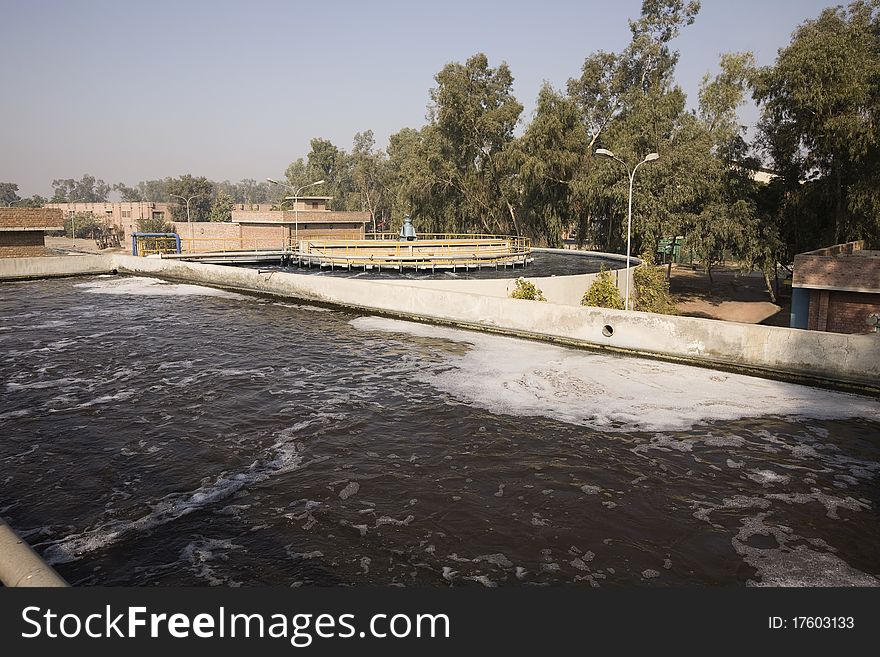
[(87, 189), (470, 137), (552, 153), (8, 193), (820, 125)]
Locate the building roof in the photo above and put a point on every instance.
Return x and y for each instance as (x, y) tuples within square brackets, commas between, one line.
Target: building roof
[(301, 217), (20, 219)]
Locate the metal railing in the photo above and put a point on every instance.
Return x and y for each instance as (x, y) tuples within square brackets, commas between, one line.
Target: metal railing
[(430, 250)]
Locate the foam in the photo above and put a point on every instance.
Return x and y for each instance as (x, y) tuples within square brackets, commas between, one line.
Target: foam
[(282, 457), (608, 392), (144, 286)]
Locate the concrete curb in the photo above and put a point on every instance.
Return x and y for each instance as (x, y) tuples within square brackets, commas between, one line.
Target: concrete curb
[(20, 566)]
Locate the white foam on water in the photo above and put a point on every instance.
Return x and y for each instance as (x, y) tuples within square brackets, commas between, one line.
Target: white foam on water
[(608, 392), (304, 306), (198, 555), (793, 565), (144, 286), (282, 457)]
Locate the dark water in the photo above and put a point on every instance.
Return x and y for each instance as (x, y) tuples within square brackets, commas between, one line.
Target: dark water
[(544, 264), (149, 435)]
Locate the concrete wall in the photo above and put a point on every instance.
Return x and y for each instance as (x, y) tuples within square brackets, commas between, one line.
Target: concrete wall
[(823, 358), (46, 267), (565, 290)]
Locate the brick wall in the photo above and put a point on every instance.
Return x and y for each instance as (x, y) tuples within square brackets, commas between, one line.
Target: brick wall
[(848, 311), (261, 236), (841, 312), (203, 236), (839, 267), (22, 244)]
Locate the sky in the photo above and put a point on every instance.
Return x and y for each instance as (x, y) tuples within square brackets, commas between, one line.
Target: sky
[(129, 91)]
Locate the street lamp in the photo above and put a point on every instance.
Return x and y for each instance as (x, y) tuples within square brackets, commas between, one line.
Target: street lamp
[(650, 157), (73, 218), (187, 200), (295, 198)]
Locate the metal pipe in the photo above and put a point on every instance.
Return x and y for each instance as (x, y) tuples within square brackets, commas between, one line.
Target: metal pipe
[(20, 565)]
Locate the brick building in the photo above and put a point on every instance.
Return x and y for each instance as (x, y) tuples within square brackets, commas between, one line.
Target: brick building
[(122, 216), (259, 221), (836, 289), (22, 231)]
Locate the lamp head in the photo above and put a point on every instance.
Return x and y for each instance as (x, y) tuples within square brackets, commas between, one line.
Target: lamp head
[(605, 152), (270, 180), (650, 157)]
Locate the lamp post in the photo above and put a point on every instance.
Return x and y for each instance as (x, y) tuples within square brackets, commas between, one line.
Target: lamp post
[(650, 157), (73, 218), (295, 198), (188, 221)]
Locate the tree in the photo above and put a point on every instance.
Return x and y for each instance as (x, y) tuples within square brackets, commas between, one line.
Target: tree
[(221, 207), (553, 148), (8, 193), (820, 124), (630, 104), (35, 201), (473, 115), (128, 194), (368, 168), (199, 190), (87, 189), (155, 191)]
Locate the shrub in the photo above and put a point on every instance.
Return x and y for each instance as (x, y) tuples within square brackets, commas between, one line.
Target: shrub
[(85, 223), (652, 289), (156, 224), (526, 290), (603, 293)]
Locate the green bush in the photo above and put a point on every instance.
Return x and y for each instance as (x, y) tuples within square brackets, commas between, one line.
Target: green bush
[(526, 290), (652, 289), (603, 293), (155, 224), (85, 223)]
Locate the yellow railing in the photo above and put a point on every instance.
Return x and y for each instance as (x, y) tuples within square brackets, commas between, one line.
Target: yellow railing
[(446, 250), (378, 249), (153, 245)]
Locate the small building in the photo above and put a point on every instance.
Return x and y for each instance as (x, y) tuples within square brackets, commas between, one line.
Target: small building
[(301, 223), (23, 231), (836, 289)]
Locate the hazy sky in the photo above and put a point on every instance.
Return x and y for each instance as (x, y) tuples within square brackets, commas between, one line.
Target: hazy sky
[(130, 91)]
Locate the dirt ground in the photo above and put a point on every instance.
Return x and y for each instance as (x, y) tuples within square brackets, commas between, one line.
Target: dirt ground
[(79, 245), (733, 296)]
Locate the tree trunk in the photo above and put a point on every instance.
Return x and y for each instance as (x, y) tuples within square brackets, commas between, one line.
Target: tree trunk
[(512, 211), (769, 286), (838, 209)]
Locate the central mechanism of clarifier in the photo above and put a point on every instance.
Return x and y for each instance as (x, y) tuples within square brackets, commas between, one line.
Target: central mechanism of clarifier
[(408, 250)]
